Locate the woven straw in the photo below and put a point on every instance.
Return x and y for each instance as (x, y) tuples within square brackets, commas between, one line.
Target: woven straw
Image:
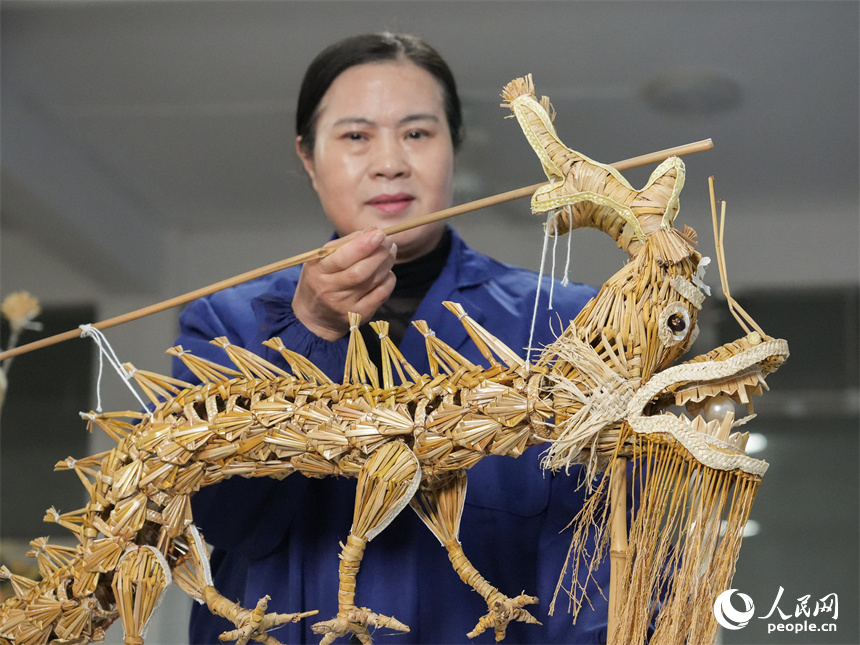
[(596, 396), (588, 193)]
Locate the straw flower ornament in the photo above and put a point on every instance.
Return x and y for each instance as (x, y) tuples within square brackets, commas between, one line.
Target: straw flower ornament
[(21, 309), (598, 396)]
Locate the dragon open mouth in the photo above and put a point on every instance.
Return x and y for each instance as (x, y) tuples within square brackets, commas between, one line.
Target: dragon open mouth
[(735, 370)]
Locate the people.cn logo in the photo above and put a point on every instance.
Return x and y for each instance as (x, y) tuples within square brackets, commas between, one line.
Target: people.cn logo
[(728, 616)]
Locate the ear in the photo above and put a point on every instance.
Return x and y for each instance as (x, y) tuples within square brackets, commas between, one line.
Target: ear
[(307, 162)]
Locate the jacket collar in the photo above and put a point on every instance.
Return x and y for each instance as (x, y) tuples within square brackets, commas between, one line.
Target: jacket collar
[(469, 267)]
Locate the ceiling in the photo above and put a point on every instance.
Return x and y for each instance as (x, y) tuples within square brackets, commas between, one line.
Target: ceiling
[(126, 122)]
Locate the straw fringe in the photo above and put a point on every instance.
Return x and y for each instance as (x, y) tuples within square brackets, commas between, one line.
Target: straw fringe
[(685, 537)]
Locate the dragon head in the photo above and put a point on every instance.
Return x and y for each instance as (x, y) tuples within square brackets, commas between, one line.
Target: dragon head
[(614, 364), (613, 376)]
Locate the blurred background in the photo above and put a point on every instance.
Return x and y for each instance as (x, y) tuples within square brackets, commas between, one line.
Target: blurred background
[(147, 150)]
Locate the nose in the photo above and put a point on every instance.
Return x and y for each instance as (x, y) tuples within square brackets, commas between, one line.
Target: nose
[(389, 160)]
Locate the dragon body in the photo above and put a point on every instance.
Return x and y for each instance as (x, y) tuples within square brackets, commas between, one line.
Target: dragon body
[(598, 395)]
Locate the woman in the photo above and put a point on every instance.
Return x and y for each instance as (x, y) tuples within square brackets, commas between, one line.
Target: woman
[(378, 124)]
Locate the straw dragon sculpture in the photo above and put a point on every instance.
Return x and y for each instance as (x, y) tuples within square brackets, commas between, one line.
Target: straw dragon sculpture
[(598, 395)]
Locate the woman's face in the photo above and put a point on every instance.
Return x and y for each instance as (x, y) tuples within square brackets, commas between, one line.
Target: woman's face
[(383, 152)]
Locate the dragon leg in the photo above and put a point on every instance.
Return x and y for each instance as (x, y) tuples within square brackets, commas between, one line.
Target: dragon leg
[(440, 506), (386, 483), (193, 576)]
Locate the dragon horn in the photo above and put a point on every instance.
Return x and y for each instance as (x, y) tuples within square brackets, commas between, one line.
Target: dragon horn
[(586, 193)]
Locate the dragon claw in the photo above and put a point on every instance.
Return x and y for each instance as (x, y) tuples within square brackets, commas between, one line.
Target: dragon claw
[(255, 625), (355, 621), (504, 610)]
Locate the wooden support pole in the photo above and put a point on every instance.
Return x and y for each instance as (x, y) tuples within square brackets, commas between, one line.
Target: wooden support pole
[(316, 254), (617, 544)]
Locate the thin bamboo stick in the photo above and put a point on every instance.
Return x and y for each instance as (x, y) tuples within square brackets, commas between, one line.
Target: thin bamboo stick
[(618, 546), (317, 254)]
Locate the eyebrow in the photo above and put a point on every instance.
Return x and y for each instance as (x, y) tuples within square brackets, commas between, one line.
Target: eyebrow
[(355, 120)]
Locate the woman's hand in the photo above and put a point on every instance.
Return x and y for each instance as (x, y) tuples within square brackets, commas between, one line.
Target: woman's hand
[(357, 278)]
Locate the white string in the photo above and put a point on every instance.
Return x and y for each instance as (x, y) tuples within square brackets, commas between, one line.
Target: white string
[(105, 349), (537, 292), (552, 272)]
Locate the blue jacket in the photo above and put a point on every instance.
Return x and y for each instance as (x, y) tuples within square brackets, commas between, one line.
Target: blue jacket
[(281, 538)]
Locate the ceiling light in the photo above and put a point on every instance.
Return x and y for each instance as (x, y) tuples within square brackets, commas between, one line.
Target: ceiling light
[(756, 443)]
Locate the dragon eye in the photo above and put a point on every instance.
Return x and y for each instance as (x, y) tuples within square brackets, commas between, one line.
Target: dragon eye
[(674, 324)]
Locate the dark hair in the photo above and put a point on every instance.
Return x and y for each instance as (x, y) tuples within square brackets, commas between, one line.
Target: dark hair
[(372, 48)]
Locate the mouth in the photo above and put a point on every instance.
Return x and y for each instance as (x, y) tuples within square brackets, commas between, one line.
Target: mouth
[(391, 204), (708, 386)]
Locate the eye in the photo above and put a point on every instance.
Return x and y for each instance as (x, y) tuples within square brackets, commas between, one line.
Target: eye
[(677, 324), (674, 324), (416, 134)]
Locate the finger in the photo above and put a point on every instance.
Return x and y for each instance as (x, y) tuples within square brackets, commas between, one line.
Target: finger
[(337, 291), (356, 249), (363, 274)]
